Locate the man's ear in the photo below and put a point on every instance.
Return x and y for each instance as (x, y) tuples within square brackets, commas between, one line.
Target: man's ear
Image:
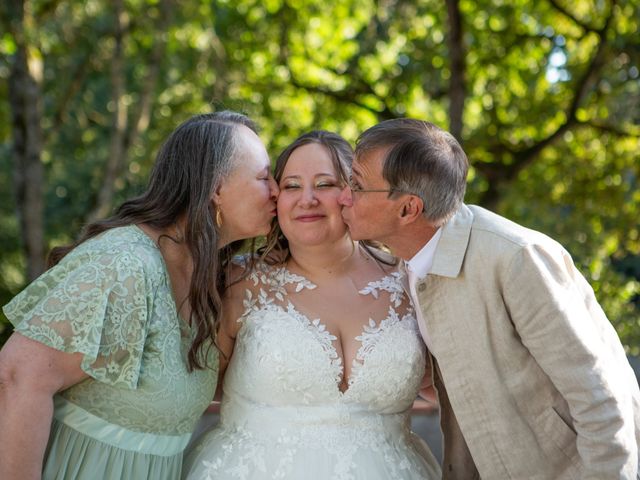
[(412, 209)]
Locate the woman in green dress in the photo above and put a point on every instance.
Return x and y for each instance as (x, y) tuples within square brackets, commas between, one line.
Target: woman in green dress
[(112, 360)]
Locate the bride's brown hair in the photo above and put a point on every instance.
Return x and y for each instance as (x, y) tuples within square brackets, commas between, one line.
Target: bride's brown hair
[(276, 248)]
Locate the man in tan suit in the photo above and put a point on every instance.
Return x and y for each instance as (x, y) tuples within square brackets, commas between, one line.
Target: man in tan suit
[(532, 380)]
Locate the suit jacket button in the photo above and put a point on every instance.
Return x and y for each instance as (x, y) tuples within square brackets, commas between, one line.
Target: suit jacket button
[(422, 287)]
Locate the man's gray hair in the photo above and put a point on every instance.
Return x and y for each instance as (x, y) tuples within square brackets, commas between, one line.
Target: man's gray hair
[(422, 159)]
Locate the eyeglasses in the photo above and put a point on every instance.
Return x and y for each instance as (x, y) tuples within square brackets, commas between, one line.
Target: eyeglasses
[(355, 188)]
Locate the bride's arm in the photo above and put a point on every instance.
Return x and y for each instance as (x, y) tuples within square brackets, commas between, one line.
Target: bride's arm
[(232, 310)]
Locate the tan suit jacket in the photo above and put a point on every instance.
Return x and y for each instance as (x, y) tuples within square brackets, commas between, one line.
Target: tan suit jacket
[(526, 359)]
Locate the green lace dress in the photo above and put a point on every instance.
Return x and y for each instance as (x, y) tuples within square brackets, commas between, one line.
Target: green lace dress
[(110, 299)]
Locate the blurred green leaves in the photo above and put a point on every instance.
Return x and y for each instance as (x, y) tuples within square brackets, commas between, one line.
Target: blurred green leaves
[(551, 118)]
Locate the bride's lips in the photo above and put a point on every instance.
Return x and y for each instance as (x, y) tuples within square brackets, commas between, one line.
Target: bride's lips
[(309, 218)]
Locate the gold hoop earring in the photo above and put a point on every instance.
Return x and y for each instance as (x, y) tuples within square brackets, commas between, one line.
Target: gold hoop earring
[(218, 217)]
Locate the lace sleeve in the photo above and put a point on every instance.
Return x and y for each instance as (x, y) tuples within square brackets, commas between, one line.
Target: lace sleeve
[(94, 303)]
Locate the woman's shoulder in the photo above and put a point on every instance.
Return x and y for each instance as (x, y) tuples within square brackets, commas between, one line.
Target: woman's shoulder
[(128, 238), (121, 249), (253, 268), (256, 273), (240, 269), (382, 270)]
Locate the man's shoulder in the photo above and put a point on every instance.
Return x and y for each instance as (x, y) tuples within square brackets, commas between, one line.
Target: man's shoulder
[(479, 237), (498, 230)]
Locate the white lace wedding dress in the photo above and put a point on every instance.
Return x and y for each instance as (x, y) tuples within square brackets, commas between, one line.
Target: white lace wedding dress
[(283, 415)]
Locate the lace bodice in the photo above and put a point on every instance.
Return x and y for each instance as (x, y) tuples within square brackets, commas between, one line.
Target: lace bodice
[(283, 414), (292, 357)]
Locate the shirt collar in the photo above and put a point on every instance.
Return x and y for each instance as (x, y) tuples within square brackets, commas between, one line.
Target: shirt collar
[(420, 263)]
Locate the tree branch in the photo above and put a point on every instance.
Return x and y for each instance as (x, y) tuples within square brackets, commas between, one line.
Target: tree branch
[(25, 99), (77, 79), (346, 96), (119, 117), (501, 172), (620, 132), (574, 19), (46, 8), (368, 37), (583, 85), (376, 30), (142, 116)]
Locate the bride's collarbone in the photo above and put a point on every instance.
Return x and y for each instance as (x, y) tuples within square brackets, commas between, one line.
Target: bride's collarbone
[(341, 286)]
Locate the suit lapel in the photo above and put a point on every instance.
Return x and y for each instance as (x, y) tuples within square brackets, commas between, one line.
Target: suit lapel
[(447, 261)]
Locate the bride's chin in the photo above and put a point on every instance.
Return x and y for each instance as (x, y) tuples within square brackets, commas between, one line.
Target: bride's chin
[(304, 241)]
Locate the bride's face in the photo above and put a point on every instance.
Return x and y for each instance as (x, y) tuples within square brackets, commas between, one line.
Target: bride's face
[(308, 208)]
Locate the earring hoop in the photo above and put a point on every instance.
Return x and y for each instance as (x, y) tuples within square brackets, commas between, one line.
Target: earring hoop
[(218, 217)]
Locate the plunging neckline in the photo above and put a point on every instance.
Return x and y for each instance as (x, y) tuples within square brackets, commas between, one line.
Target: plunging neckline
[(275, 280), (325, 339)]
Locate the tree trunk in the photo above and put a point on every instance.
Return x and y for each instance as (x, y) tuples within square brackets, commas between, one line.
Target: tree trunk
[(457, 91), (25, 99), (119, 119), (143, 114), (123, 136)]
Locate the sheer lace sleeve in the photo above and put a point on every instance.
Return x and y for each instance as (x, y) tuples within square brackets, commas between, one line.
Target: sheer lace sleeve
[(94, 302)]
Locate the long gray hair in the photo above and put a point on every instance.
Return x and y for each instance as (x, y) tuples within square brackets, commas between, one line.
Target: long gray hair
[(193, 161)]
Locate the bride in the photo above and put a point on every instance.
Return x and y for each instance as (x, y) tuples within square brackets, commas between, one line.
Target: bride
[(325, 357)]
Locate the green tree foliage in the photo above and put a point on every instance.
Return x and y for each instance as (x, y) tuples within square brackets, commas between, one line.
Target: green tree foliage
[(550, 92)]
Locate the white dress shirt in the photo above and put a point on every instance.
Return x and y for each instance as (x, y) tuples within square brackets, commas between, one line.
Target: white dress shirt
[(417, 269)]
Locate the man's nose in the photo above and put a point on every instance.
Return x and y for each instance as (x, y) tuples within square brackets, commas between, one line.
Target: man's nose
[(346, 197)]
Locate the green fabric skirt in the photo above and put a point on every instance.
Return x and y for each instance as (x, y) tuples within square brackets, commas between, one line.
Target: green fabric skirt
[(84, 447)]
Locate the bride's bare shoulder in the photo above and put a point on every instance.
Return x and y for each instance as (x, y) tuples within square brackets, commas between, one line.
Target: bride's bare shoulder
[(250, 269), (380, 255)]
